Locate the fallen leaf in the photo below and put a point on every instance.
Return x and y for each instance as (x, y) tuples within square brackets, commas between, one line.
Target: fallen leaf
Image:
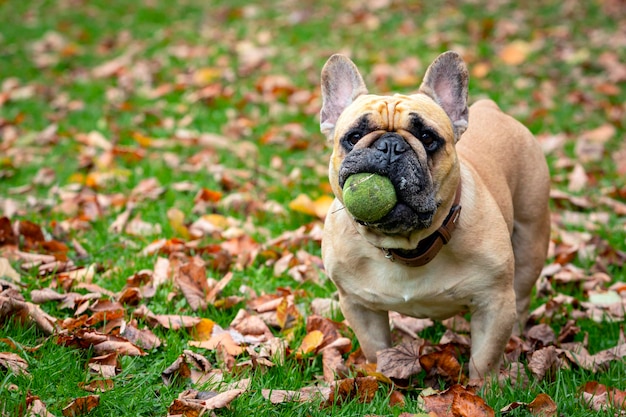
[(457, 401), (36, 408), (544, 362), (100, 343), (600, 397), (81, 406), (318, 207), (310, 343), (444, 364), (306, 394), (515, 52), (543, 406), (541, 335), (13, 363), (224, 340), (6, 270), (402, 361), (97, 385), (12, 308), (192, 281), (361, 389)]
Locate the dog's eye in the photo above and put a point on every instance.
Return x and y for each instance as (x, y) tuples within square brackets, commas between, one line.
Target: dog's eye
[(429, 141), (353, 138)]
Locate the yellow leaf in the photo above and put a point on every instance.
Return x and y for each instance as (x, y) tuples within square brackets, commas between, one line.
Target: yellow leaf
[(318, 208), (303, 204), (207, 75), (203, 330), (177, 222), (217, 220), (310, 343), (321, 206), (282, 313), (142, 140), (77, 177)]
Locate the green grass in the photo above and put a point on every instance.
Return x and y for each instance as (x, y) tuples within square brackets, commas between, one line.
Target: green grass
[(553, 91)]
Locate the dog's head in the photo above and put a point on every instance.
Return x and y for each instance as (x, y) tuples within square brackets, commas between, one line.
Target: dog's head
[(408, 138)]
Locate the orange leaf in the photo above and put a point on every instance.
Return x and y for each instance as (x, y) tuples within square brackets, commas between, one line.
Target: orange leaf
[(515, 52), (543, 406), (208, 195), (81, 406), (310, 343), (202, 331), (457, 401)]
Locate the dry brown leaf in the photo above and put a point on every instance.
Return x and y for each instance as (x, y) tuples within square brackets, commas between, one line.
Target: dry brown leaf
[(457, 401), (36, 408), (81, 406), (544, 362), (100, 343), (248, 324), (402, 361), (443, 363), (6, 270), (600, 397), (168, 321), (192, 281), (97, 385), (362, 389), (7, 235), (144, 338), (307, 394), (13, 363), (106, 366), (333, 364), (397, 399), (189, 365), (223, 340), (12, 308), (543, 406), (219, 287), (541, 335), (223, 399), (178, 370)]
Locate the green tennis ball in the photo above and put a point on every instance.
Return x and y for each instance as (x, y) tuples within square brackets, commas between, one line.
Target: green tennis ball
[(369, 197)]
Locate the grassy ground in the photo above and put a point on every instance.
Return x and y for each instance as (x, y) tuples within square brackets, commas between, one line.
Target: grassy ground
[(140, 73)]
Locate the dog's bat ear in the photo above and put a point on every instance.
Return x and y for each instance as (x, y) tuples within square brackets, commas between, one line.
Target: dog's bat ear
[(341, 84), (446, 82)]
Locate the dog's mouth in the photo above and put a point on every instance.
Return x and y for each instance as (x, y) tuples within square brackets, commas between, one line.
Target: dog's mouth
[(402, 219), (414, 210), (389, 155)]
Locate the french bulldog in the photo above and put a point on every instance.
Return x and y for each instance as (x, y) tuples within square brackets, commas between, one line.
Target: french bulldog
[(471, 226)]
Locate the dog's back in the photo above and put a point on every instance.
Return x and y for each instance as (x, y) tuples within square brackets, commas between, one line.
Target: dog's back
[(514, 169)]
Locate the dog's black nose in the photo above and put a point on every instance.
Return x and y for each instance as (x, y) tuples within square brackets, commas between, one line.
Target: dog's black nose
[(392, 145)]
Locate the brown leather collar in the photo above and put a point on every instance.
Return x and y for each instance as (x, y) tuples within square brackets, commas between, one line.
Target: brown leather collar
[(430, 246)]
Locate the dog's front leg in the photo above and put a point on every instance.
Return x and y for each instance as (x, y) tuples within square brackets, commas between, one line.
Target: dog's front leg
[(491, 327), (370, 326)]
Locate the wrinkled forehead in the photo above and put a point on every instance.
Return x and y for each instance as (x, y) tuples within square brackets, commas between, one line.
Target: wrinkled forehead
[(396, 112)]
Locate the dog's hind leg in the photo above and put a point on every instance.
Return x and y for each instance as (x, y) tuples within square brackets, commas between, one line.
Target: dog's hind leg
[(531, 236)]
